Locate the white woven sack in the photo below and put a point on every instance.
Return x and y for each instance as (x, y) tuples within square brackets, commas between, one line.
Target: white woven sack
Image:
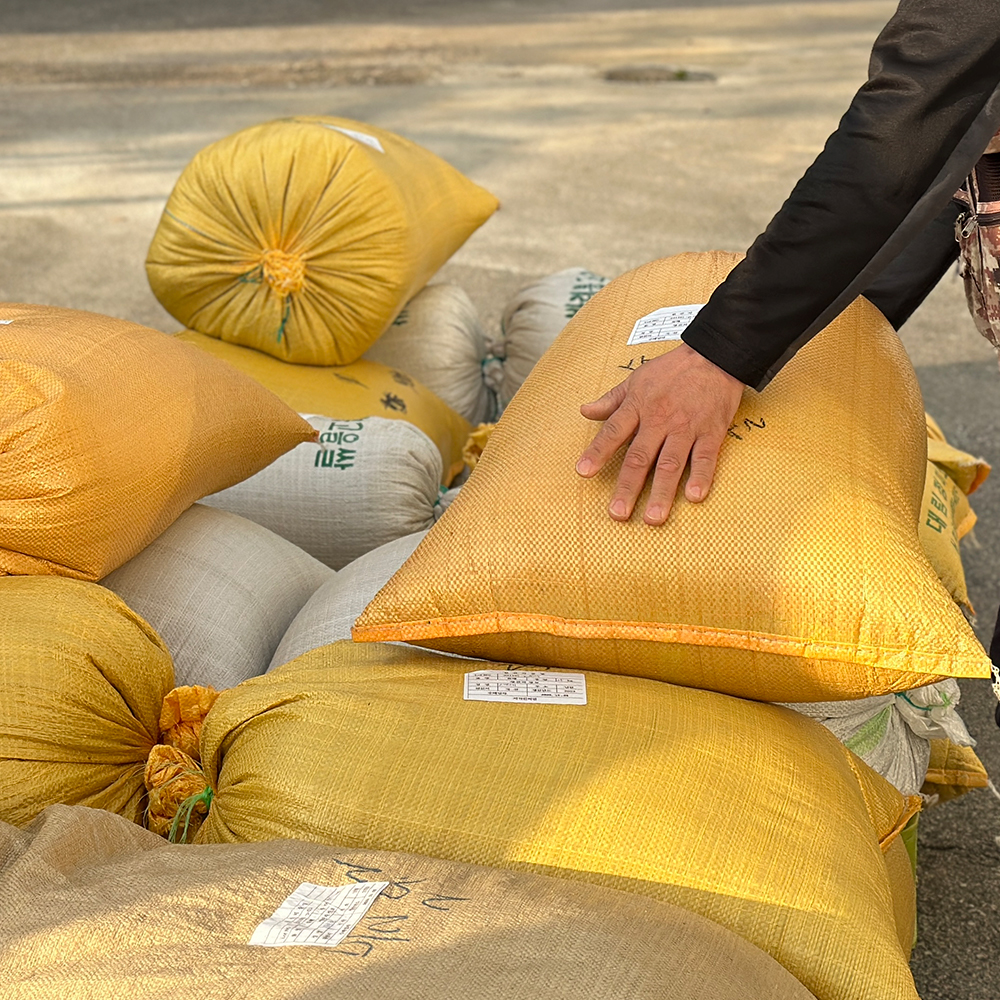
[(221, 591), (438, 340), (366, 482), (329, 614), (535, 317), (891, 733)]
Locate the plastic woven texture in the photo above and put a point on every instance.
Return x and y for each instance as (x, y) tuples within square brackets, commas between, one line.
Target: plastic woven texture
[(748, 814), (351, 392), (800, 578), (364, 483), (94, 904), (968, 471), (438, 339), (303, 241), (82, 683), (109, 430), (220, 591), (953, 771), (945, 518)]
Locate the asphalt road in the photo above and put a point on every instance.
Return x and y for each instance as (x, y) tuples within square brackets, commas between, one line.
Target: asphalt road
[(103, 103), (147, 15)]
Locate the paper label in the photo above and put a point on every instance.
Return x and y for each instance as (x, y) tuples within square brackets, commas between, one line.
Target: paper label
[(533, 687), (320, 915), (368, 140), (6, 322), (664, 324)]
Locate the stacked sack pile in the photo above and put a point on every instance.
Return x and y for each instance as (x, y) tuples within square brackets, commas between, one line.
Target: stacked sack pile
[(751, 705)]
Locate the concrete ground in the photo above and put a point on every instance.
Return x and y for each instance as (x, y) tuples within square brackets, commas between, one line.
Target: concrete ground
[(103, 103)]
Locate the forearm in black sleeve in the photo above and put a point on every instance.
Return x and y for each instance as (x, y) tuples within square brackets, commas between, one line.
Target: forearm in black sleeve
[(911, 133), (898, 291)]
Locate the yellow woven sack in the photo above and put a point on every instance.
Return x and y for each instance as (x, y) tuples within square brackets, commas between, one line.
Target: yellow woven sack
[(350, 392), (82, 684), (749, 814), (953, 771), (966, 470), (945, 518), (110, 430), (800, 578), (304, 237)]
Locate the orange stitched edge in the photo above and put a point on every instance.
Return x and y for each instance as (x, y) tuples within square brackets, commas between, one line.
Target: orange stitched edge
[(492, 623), (913, 806)]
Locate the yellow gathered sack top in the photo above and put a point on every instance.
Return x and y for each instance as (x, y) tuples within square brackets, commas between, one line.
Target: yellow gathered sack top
[(350, 392), (968, 472), (748, 814), (82, 686), (89, 714), (304, 237), (110, 430), (800, 578)]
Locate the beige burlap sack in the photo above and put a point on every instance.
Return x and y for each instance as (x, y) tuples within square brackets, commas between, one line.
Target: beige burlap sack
[(221, 591), (95, 907)]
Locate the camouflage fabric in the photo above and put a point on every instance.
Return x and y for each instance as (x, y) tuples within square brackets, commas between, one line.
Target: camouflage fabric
[(978, 233), (977, 230)]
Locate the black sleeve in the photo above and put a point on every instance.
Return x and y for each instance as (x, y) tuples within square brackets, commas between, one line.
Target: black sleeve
[(912, 132), (898, 291)]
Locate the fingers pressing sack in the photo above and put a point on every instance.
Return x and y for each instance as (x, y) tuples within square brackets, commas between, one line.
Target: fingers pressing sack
[(675, 407), (635, 468), (601, 409), (667, 474), (618, 428), (704, 457)]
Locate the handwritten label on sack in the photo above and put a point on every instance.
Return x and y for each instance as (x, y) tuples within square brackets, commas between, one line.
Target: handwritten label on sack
[(663, 324), (368, 140), (532, 687), (320, 915)]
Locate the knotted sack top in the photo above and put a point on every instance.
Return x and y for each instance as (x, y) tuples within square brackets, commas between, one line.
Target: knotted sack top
[(179, 793)]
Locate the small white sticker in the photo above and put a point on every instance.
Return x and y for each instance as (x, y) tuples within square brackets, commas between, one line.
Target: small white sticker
[(6, 322), (532, 687), (664, 324), (368, 140), (320, 915)]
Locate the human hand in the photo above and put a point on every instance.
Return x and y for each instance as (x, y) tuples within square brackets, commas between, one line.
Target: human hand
[(676, 406)]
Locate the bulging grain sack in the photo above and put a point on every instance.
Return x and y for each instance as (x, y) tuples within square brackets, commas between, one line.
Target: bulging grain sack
[(966, 470), (893, 734), (945, 518), (439, 930), (365, 483), (800, 578), (952, 771), (82, 685), (375, 747), (351, 393), (304, 237), (535, 317), (329, 614), (437, 339), (89, 714), (220, 591), (109, 430)]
